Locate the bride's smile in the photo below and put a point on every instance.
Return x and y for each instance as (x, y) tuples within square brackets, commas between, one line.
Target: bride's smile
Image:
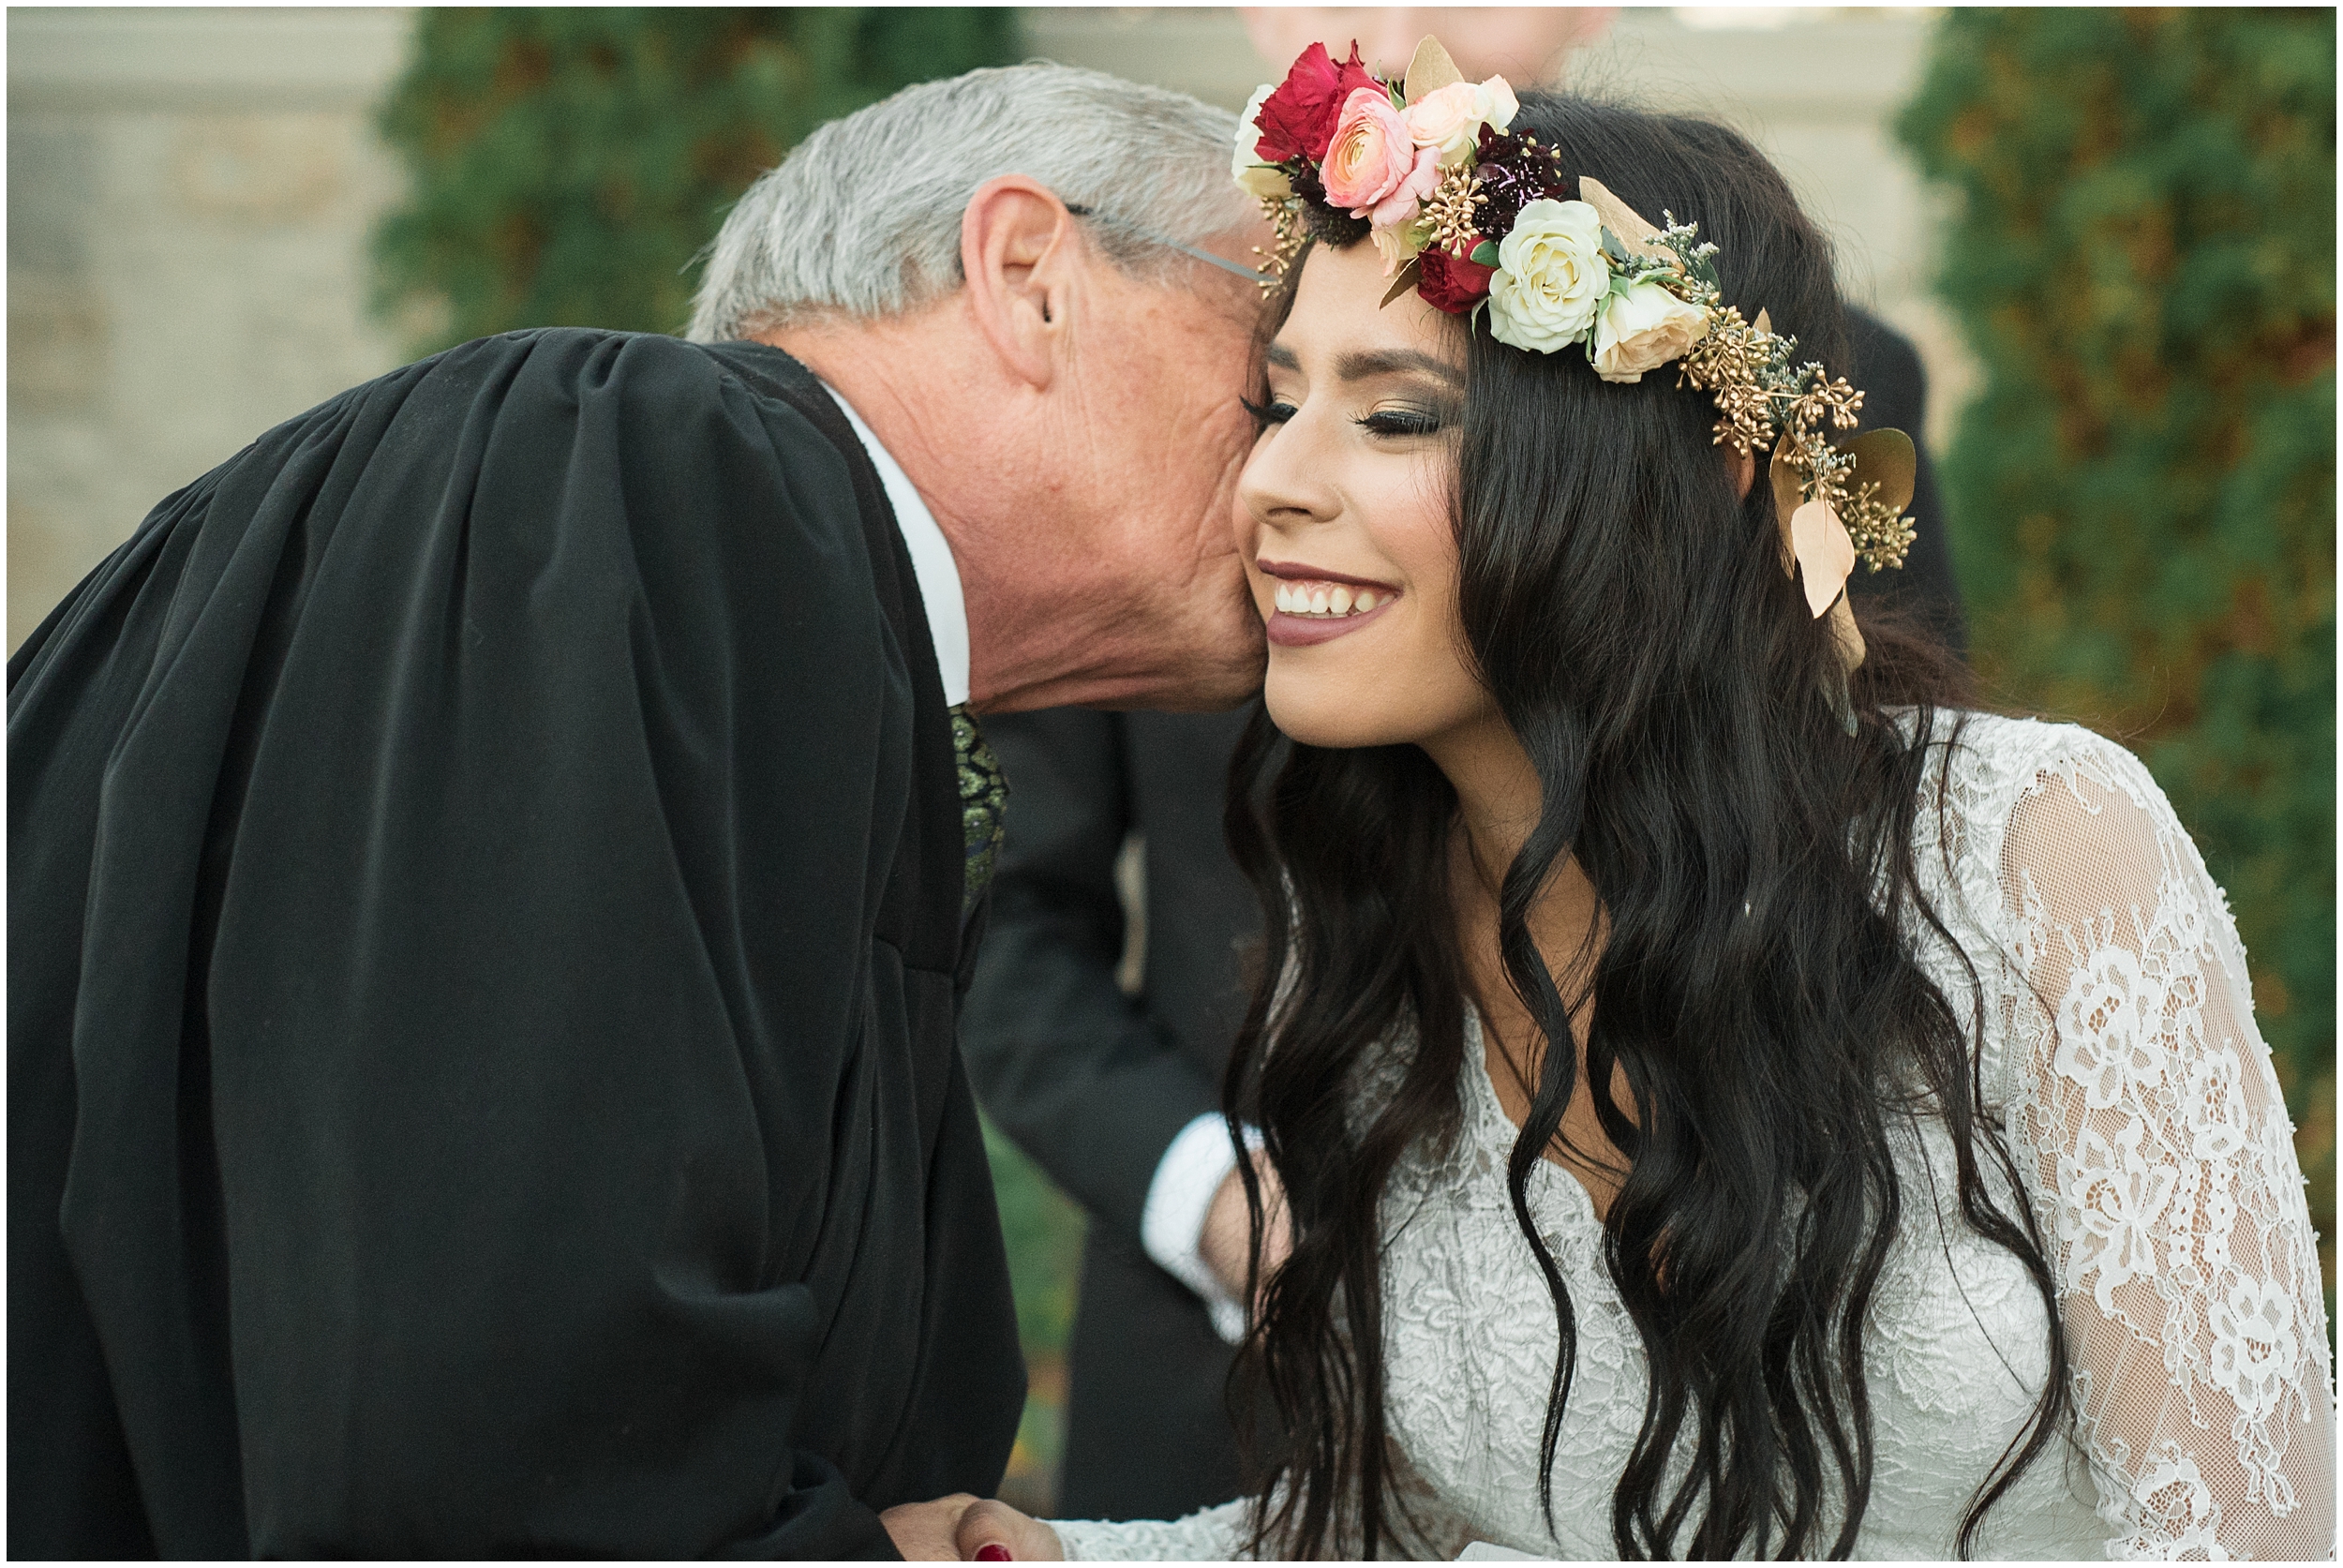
[(1346, 508)]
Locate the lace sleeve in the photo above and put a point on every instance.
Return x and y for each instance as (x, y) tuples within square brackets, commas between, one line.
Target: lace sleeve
[(1208, 1535), (1423, 1528), (2162, 1163)]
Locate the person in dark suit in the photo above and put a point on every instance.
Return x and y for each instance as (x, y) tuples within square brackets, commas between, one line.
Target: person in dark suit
[(1117, 1095), (494, 865)]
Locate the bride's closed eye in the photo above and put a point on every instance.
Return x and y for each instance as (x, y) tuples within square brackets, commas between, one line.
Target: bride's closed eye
[(1403, 422), (1394, 422), (1275, 412)]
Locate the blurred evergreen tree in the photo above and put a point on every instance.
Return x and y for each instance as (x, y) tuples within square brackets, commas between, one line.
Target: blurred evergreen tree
[(566, 164), (2142, 257)]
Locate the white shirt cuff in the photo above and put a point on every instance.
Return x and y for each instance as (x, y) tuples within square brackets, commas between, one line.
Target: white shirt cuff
[(1179, 1198)]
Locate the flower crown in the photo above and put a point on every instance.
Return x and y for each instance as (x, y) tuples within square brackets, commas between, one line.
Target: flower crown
[(1475, 218)]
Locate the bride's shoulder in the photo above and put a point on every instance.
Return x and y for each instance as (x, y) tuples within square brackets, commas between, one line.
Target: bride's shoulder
[(1982, 766), (2013, 809)]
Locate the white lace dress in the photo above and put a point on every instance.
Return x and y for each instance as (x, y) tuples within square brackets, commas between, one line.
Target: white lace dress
[(2121, 1057)]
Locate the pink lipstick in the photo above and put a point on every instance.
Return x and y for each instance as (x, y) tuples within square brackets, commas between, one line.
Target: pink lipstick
[(1316, 606)]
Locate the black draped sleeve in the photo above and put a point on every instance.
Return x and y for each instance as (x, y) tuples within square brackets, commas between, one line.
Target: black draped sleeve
[(482, 972)]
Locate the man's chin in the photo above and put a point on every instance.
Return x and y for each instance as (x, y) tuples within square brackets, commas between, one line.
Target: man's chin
[(1222, 673), (1226, 689), (1210, 675)]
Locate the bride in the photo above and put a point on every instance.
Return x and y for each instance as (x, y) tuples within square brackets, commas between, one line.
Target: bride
[(1728, 1098)]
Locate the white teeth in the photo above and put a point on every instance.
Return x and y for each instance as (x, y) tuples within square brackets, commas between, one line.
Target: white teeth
[(1327, 600)]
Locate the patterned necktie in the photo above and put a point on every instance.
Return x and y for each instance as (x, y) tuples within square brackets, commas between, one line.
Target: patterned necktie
[(983, 799)]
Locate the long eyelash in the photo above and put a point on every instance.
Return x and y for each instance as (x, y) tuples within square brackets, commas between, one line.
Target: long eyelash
[(1266, 414), (1387, 422)]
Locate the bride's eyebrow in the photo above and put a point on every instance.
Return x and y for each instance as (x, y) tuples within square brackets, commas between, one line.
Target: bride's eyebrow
[(1360, 366)]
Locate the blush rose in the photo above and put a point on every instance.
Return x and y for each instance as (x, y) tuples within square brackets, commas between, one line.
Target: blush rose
[(1374, 168), (1449, 119)]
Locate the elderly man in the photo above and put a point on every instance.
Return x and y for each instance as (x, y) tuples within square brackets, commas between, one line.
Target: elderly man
[(494, 864)]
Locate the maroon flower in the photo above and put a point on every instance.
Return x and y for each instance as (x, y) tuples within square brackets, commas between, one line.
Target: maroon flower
[(1513, 175), (1453, 283), (1298, 119)]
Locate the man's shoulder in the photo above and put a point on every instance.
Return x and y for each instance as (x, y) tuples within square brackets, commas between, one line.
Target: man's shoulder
[(699, 435), (596, 359)]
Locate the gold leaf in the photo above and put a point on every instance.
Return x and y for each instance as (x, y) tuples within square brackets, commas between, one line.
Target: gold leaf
[(1763, 322), (1621, 218), (1785, 501), (1408, 276), (1885, 458), (1431, 71), (1824, 553)]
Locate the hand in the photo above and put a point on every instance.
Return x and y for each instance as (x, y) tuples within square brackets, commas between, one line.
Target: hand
[(927, 1531), (995, 1533), (1228, 1234)]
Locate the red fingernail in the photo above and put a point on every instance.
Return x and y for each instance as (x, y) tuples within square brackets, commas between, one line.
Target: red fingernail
[(994, 1552)]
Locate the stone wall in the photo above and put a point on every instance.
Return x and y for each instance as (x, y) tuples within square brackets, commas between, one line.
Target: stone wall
[(190, 193), (189, 197)]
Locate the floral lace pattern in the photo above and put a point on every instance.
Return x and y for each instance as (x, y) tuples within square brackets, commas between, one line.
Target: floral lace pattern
[(2146, 1100), (2119, 1053)]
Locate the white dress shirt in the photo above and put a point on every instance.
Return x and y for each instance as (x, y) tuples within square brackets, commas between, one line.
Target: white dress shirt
[(932, 560), (1179, 1198), (1189, 1177)]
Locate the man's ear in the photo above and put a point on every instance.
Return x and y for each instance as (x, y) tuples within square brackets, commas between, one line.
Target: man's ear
[(1020, 252)]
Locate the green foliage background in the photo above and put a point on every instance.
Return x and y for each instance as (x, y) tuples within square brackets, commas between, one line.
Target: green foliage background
[(568, 163), (2144, 261), (565, 168)]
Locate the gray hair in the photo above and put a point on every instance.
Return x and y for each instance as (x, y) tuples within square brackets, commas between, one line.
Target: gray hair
[(863, 218)]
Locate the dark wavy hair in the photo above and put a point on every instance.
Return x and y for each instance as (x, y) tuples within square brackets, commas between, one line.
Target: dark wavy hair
[(1755, 992)]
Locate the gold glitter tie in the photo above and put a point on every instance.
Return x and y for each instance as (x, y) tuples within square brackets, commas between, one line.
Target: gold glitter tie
[(983, 800)]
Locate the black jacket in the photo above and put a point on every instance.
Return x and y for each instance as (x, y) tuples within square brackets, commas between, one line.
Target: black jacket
[(1094, 1084), (485, 935)]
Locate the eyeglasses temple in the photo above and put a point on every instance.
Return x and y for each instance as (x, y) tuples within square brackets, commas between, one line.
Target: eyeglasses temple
[(1248, 273)]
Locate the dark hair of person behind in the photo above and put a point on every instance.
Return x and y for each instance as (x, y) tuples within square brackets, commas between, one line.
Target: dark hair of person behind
[(1631, 616)]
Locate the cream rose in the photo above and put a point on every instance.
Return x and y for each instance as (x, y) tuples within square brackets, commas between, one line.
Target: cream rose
[(1263, 180), (1550, 276), (1448, 121), (1642, 327)]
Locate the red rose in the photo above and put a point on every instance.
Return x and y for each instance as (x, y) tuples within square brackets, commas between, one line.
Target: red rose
[(1355, 74), (1453, 283), (1298, 119)]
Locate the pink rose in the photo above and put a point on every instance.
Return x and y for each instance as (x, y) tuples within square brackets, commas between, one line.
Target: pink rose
[(1374, 168)]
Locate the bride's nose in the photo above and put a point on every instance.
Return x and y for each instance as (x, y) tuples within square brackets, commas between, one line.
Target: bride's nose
[(1285, 483)]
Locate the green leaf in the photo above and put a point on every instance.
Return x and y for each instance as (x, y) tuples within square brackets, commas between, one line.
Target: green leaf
[(1485, 253)]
